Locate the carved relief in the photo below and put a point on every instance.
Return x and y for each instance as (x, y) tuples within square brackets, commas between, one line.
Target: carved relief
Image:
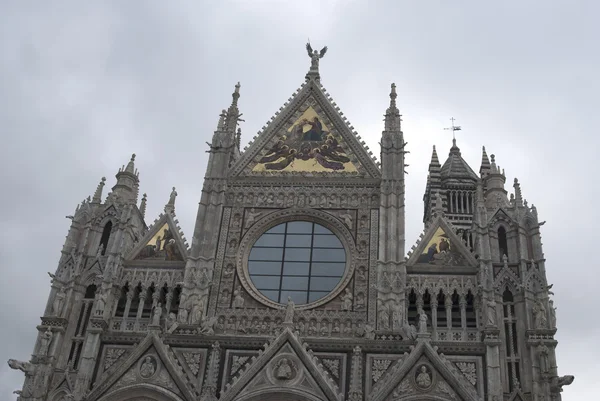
[(469, 370)]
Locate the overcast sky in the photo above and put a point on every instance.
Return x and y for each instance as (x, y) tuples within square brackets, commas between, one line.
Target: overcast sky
[(84, 84)]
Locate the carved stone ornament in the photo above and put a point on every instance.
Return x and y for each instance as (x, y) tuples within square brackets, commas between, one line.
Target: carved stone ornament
[(380, 366), (148, 366), (333, 366), (283, 370), (112, 355), (423, 377), (193, 361), (469, 370)]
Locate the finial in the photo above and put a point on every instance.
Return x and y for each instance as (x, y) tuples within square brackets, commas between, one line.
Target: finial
[(518, 194), (98, 194), (393, 95), (392, 116), (236, 94), (221, 123), (130, 166), (485, 163), (143, 205)]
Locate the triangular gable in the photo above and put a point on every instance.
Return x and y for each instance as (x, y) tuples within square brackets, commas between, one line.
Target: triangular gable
[(428, 371), (284, 364), (500, 215), (440, 245), (297, 144), (517, 395), (150, 363), (164, 241)]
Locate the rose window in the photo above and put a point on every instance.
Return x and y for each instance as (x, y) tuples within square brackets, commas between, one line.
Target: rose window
[(297, 259)]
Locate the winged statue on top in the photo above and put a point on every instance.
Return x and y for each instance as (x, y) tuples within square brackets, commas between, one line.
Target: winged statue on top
[(315, 56)]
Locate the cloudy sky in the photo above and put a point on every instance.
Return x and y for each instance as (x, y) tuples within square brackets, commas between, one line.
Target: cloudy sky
[(85, 84)]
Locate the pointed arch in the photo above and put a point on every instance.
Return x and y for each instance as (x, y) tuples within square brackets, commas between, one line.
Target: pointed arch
[(106, 231), (142, 392), (502, 241)]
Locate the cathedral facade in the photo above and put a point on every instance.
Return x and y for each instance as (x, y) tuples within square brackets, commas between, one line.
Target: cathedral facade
[(297, 285)]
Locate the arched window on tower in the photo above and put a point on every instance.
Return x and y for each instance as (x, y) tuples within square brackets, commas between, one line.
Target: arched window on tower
[(85, 312), (105, 236), (502, 242), (511, 335)]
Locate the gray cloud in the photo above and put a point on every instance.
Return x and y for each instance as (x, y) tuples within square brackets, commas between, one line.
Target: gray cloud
[(83, 85)]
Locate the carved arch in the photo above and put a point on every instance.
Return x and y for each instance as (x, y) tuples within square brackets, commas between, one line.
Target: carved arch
[(141, 392), (279, 394)]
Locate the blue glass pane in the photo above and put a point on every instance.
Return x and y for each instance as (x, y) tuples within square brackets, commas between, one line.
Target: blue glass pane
[(328, 255), (299, 297), (299, 227), (272, 295), (323, 283), (316, 295), (270, 240), (273, 268), (327, 241), (298, 241), (296, 268), (297, 255), (266, 254), (328, 269), (295, 283), (321, 230), (280, 229), (266, 282)]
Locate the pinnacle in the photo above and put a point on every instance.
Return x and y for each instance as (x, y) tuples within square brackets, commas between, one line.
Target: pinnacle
[(485, 162), (130, 165), (435, 161), (392, 114)]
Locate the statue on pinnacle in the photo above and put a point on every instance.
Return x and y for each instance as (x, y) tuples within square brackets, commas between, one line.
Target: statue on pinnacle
[(315, 56)]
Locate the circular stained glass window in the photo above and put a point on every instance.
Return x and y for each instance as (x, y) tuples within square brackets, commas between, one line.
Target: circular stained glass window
[(298, 259)]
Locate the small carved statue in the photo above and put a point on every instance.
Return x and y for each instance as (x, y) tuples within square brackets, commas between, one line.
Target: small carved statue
[(491, 312), (45, 340), (157, 315), (369, 332), (422, 321), (172, 197), (57, 305), (25, 367), (148, 368), (543, 354), (207, 326), (238, 299), (552, 315), (423, 378), (171, 322), (347, 217), (347, 299), (251, 219), (284, 370), (540, 317), (384, 316), (289, 311), (100, 303)]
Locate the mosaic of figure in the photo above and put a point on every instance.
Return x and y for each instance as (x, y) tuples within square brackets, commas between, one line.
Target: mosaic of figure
[(307, 146)]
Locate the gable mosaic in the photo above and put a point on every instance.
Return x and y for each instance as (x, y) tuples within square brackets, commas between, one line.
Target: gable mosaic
[(307, 146)]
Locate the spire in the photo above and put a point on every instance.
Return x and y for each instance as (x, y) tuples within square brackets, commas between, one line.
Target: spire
[(392, 114), (434, 166), (98, 194), (143, 206), (232, 115), (485, 164), (130, 167), (127, 186), (518, 194)]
